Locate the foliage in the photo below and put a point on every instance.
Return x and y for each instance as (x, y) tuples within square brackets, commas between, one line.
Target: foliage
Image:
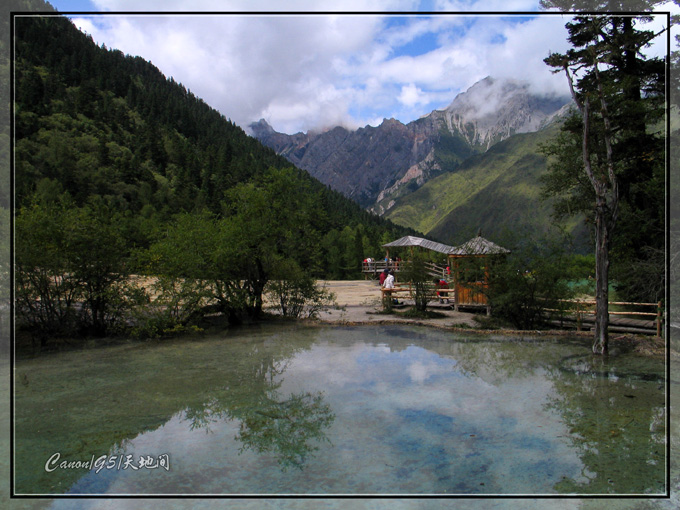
[(176, 304), (532, 278), (45, 291), (70, 268), (102, 123), (620, 97), (225, 263), (155, 172), (296, 292), (416, 274)]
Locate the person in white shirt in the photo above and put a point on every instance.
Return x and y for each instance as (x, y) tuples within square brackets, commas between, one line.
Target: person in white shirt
[(389, 280), (389, 284)]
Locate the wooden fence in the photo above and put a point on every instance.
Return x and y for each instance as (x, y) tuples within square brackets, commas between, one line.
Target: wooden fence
[(376, 267), (581, 310)]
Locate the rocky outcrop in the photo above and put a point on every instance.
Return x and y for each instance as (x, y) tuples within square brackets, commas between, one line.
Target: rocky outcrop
[(360, 164), (491, 111), (375, 165)]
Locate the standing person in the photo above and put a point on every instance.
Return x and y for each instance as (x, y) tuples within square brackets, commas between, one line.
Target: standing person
[(383, 275), (389, 285)]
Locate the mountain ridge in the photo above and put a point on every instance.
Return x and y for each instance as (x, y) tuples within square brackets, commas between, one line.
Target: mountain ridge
[(375, 166)]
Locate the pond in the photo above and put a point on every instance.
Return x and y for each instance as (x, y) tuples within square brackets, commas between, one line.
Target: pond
[(341, 410)]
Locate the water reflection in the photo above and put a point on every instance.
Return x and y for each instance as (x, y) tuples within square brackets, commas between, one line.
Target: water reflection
[(291, 428), (614, 409), (89, 403), (617, 422), (369, 410)]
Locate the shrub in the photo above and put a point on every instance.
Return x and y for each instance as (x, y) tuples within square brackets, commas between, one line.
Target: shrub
[(526, 283), (295, 292)]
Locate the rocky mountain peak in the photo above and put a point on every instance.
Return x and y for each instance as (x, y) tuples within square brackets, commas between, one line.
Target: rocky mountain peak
[(261, 127), (375, 165), (492, 110)]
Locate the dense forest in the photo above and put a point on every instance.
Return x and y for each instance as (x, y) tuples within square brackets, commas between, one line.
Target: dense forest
[(120, 171)]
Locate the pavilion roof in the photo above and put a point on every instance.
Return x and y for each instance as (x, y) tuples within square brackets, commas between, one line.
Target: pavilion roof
[(419, 241), (478, 246)]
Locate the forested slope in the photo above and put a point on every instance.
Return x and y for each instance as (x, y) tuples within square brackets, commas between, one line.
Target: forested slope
[(120, 169), (96, 122), (498, 192)]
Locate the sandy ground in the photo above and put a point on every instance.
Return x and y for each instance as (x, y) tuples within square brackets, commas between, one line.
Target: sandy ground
[(359, 301)]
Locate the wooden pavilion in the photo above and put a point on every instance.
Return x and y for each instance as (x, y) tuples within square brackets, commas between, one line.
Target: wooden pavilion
[(472, 277)]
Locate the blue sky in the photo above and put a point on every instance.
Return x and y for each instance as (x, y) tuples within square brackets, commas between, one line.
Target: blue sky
[(311, 72)]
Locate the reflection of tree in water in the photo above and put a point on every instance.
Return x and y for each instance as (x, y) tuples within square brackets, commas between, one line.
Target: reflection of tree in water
[(616, 421), (496, 361), (614, 409), (289, 427)]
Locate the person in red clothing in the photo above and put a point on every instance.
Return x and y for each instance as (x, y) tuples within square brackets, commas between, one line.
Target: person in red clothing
[(440, 283), (383, 275)]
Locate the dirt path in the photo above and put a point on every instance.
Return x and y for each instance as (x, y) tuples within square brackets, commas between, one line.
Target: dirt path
[(359, 301)]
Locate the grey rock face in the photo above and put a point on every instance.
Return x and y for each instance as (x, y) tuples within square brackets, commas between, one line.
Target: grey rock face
[(374, 165)]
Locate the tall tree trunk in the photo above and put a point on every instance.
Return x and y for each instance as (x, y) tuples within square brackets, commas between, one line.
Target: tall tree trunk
[(605, 185), (601, 340)]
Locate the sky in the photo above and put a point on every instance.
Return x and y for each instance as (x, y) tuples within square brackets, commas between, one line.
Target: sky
[(312, 71)]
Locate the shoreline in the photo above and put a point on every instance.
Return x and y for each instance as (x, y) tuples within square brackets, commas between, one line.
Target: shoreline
[(358, 303)]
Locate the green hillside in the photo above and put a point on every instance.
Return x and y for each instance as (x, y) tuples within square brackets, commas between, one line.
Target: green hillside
[(96, 124), (120, 172), (497, 192)]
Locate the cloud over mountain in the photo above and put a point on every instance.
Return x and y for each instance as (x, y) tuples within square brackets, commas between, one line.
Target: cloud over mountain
[(309, 71), (376, 165)]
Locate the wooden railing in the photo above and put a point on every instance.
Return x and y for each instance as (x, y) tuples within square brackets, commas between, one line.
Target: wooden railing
[(582, 308), (578, 308), (378, 266), (403, 288)]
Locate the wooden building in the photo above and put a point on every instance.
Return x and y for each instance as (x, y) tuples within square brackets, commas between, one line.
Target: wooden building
[(469, 265)]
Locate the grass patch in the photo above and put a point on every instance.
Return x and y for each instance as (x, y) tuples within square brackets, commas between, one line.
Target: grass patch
[(490, 323), (412, 313)]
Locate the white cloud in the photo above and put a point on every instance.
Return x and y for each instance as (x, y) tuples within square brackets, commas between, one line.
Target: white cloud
[(303, 72), (411, 95)]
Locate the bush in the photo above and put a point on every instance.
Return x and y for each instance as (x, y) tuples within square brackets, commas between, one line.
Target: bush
[(526, 283), (70, 269), (416, 273), (295, 292)]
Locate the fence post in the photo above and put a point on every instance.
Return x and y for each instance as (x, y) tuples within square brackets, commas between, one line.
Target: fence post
[(578, 316), (658, 320)]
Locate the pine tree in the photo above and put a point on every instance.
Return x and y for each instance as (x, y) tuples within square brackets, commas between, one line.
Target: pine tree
[(619, 95)]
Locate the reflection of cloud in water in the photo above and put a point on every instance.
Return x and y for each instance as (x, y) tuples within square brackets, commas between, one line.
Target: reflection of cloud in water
[(334, 365), (439, 417), (420, 371), (506, 420)]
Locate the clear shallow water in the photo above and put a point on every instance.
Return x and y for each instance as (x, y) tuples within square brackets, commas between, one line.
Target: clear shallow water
[(366, 410)]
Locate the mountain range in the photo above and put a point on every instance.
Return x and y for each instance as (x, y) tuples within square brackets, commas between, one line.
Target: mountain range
[(446, 174)]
